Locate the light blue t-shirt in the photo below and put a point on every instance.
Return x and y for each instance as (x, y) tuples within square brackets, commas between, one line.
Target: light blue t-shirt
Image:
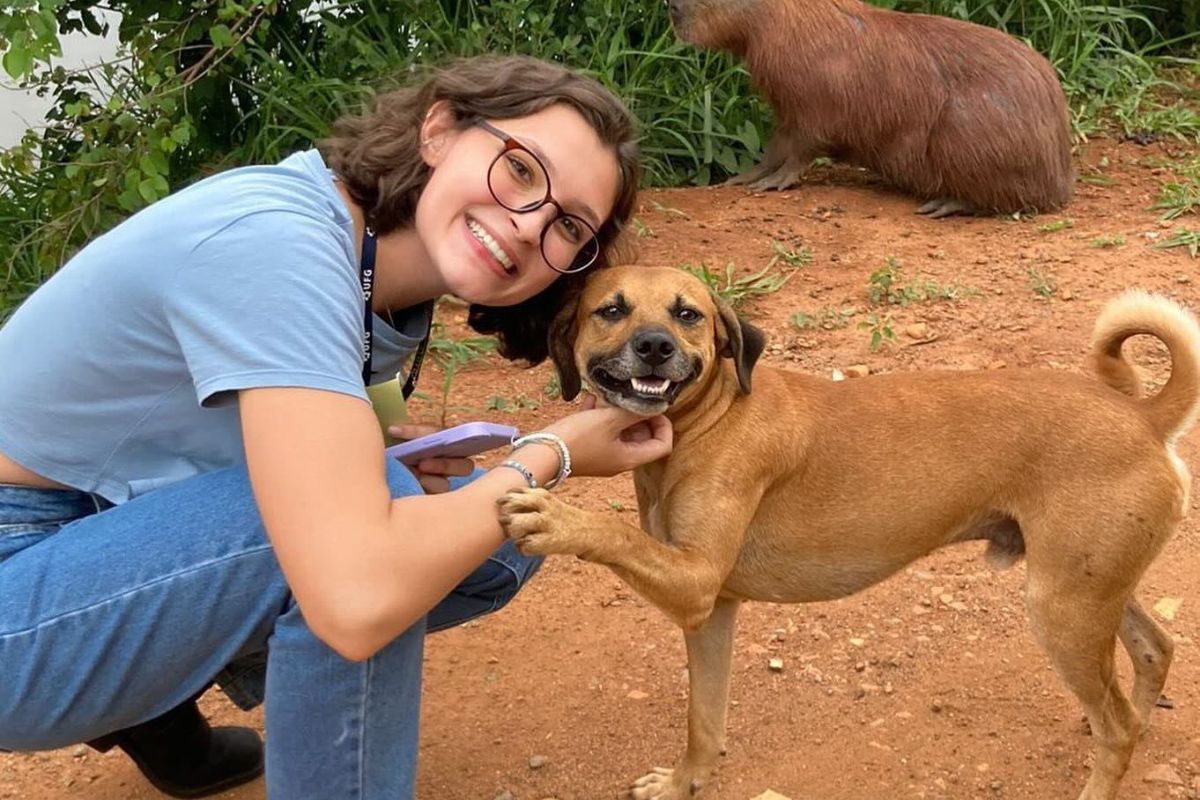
[(120, 373)]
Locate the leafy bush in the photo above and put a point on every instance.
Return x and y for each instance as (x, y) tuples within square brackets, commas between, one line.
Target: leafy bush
[(204, 85)]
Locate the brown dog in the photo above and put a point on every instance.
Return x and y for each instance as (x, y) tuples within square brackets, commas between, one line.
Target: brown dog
[(810, 489), (959, 114)]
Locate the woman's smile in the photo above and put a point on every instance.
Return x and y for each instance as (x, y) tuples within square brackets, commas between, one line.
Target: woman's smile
[(486, 245)]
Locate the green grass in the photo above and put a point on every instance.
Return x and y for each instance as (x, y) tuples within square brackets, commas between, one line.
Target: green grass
[(1041, 284), (1057, 225), (1187, 239), (888, 286), (1127, 67), (1181, 196), (1108, 240)]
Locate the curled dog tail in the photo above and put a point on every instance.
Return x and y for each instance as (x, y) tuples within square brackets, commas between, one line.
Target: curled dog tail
[(1173, 410)]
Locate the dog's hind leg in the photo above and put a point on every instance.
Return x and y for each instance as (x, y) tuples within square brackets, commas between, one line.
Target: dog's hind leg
[(1150, 648), (710, 655), (1079, 633)]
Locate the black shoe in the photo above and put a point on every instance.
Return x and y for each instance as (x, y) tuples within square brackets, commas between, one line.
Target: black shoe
[(183, 757)]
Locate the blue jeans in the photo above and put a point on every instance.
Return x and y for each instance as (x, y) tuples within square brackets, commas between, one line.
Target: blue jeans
[(110, 616)]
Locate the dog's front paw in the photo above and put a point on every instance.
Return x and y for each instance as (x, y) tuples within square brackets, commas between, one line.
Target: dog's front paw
[(663, 784), (540, 524)]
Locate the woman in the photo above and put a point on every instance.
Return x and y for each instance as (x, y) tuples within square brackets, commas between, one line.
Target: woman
[(194, 485)]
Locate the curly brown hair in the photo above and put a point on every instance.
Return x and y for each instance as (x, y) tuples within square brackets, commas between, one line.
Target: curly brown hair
[(377, 156)]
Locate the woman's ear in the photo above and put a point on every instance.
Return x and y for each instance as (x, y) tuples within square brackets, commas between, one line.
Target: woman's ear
[(439, 125)]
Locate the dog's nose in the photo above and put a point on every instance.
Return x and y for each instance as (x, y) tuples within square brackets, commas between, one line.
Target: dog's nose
[(653, 347)]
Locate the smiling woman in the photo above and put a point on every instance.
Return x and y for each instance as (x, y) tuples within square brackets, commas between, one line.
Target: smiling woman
[(211, 477)]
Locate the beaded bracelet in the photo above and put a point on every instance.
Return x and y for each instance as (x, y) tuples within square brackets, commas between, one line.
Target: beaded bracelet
[(521, 468), (555, 441)]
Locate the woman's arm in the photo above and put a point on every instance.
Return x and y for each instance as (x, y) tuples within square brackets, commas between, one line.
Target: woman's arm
[(364, 567)]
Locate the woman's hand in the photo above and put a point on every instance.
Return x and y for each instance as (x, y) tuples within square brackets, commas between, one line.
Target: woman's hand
[(607, 441), (432, 473)]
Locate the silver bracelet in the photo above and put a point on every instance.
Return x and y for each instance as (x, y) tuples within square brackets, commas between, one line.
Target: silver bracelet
[(555, 441), (521, 468)]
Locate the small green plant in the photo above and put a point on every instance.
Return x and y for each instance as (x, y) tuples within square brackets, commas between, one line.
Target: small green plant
[(451, 355), (794, 257), (616, 505), (1182, 196), (886, 286), (642, 230), (736, 291), (668, 210), (1186, 238), (821, 161), (1057, 225), (1108, 240), (552, 388), (1043, 285), (880, 328), (1177, 199), (826, 319)]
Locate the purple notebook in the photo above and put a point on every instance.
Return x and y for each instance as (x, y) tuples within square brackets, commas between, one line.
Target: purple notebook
[(461, 441)]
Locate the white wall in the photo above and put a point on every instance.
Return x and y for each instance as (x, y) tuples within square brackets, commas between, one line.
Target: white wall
[(20, 109)]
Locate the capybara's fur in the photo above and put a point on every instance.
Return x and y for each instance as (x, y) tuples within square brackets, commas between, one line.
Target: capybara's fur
[(939, 107)]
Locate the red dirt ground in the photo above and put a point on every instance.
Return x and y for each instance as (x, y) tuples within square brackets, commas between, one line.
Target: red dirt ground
[(926, 686)]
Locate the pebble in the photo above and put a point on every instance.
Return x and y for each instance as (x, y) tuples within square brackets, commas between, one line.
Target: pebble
[(918, 330), (1163, 773), (537, 762), (505, 795)]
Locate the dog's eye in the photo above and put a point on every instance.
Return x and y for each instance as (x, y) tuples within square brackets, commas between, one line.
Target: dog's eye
[(611, 313), (687, 315)]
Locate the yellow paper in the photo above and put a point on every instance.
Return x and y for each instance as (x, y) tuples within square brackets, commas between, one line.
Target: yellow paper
[(390, 408)]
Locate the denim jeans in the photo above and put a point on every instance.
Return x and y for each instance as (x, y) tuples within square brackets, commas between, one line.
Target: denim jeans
[(110, 616)]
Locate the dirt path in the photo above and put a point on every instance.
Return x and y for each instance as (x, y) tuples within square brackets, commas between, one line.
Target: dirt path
[(927, 686)]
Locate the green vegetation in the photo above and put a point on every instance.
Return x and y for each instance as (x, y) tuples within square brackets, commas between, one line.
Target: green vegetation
[(887, 286), (208, 84), (880, 330), (1187, 239), (1041, 284)]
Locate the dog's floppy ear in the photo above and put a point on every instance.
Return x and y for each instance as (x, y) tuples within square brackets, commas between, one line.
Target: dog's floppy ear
[(561, 344), (739, 340)]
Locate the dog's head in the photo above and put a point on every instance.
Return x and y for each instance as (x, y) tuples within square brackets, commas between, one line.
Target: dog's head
[(643, 337)]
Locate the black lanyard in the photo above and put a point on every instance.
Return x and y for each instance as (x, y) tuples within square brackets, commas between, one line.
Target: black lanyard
[(366, 274)]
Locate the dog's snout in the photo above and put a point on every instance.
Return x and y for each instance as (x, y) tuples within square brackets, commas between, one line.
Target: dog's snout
[(653, 347)]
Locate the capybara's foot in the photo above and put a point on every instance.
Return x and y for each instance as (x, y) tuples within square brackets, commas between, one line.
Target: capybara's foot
[(751, 175), (787, 176), (664, 784), (945, 207)]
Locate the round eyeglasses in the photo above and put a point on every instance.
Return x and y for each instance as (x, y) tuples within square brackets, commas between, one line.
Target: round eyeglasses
[(519, 182)]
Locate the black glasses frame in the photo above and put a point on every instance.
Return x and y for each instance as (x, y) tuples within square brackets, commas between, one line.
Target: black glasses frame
[(510, 144)]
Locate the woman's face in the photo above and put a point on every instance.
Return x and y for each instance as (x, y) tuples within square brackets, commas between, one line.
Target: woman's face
[(488, 254)]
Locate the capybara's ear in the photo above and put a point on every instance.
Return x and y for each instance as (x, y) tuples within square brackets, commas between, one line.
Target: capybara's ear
[(561, 344), (739, 340)]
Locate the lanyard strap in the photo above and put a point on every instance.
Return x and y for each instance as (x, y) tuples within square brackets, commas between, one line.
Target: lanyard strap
[(366, 275)]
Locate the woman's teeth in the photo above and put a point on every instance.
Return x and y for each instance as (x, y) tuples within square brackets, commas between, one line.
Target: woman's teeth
[(655, 386), (487, 241)]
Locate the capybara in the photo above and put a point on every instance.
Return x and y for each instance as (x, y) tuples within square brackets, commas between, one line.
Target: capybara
[(961, 115)]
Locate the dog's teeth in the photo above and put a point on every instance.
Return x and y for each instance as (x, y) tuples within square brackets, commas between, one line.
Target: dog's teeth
[(656, 386)]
